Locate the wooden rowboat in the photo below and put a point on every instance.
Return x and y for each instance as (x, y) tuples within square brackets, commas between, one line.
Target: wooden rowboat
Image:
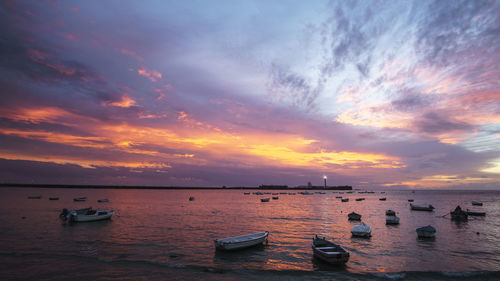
[(241, 242), (329, 251)]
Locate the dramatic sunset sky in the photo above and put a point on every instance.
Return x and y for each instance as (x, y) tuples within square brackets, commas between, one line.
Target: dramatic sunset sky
[(394, 94)]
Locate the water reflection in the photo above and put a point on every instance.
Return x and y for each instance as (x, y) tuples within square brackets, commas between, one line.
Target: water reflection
[(163, 226), (320, 265)]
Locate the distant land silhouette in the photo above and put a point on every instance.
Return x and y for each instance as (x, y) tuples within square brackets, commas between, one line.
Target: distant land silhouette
[(309, 187)]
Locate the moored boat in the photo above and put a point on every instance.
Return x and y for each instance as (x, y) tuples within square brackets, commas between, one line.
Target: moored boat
[(275, 198), (391, 220), (103, 200), (240, 242), (34, 197), (428, 208), (360, 199), (354, 217), (264, 199), (88, 215), (53, 198), (390, 213), (426, 232), (361, 230), (246, 193), (191, 198), (476, 203), (329, 251), (458, 214), (345, 200), (382, 199), (475, 213), (80, 199), (338, 197), (410, 200)]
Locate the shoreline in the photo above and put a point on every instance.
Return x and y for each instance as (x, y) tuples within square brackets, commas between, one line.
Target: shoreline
[(262, 187)]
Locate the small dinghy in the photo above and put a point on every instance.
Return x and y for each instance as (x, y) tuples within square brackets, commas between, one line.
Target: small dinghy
[(382, 199), (345, 200), (410, 200), (241, 242), (275, 198), (80, 199), (246, 193), (426, 232), (87, 215), (34, 197), (361, 230), (53, 198), (264, 199), (475, 203), (354, 217), (390, 213), (338, 197), (360, 199), (429, 208), (474, 213), (391, 220), (191, 198), (458, 214), (103, 200), (329, 251)]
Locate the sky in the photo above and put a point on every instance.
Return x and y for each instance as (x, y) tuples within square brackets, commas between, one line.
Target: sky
[(372, 94)]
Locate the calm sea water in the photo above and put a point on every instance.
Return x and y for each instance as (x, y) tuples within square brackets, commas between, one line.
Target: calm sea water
[(160, 234)]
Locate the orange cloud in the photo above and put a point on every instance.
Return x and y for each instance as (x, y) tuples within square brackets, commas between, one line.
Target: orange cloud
[(151, 74), (125, 102), (202, 146)]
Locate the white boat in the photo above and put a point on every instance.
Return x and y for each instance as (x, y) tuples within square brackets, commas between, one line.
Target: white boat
[(240, 242), (429, 208), (328, 251), (426, 232), (475, 203), (391, 220), (390, 213), (88, 215), (361, 230)]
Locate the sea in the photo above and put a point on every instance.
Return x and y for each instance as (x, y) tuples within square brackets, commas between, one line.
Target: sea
[(162, 235)]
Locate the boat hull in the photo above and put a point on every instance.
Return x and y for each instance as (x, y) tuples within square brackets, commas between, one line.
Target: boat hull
[(421, 208), (90, 218), (425, 234), (329, 252), (246, 241), (392, 220)]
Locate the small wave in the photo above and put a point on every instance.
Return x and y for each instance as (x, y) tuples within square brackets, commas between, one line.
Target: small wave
[(392, 276)]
